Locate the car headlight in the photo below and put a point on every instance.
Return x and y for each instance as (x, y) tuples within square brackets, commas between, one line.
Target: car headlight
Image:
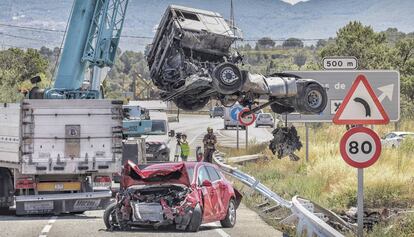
[(162, 147)]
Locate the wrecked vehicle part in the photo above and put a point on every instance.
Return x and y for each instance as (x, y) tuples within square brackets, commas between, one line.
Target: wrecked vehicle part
[(285, 142), (191, 61), (170, 194), (193, 44)]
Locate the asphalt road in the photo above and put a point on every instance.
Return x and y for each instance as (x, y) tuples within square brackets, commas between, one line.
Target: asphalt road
[(91, 224)]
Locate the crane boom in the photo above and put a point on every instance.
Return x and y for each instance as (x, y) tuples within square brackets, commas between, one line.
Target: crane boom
[(91, 42)]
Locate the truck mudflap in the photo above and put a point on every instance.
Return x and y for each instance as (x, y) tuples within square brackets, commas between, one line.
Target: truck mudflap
[(62, 203)]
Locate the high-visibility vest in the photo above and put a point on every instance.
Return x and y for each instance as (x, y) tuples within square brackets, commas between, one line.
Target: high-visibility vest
[(185, 149)]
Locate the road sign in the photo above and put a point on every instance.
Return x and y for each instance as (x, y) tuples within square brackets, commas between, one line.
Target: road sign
[(361, 106), (386, 86), (340, 63), (234, 112), (248, 119), (360, 147)]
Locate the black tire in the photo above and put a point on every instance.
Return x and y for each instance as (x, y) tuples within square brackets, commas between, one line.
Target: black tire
[(225, 127), (230, 220), (227, 78), (312, 99), (109, 215), (196, 219), (256, 126)]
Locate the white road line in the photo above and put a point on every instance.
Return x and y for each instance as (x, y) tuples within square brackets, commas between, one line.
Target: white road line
[(48, 226), (218, 230)]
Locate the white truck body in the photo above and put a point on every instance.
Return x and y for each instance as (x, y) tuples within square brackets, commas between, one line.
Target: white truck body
[(60, 143)]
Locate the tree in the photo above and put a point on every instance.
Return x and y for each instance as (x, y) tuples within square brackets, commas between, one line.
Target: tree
[(299, 59), (265, 43), (321, 43), (16, 67), (362, 42), (293, 43)]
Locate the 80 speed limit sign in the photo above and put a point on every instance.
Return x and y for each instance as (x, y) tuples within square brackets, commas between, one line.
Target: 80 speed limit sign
[(360, 147)]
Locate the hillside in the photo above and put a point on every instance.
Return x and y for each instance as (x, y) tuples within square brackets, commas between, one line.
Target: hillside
[(312, 19)]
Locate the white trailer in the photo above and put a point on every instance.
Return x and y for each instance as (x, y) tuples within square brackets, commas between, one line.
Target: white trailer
[(56, 155)]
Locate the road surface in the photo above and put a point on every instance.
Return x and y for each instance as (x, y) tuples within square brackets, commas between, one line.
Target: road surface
[(90, 224)]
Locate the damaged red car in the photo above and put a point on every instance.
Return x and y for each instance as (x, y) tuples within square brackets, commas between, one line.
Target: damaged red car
[(185, 194)]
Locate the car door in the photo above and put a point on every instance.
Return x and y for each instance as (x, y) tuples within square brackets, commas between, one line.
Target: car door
[(217, 197), (205, 194)]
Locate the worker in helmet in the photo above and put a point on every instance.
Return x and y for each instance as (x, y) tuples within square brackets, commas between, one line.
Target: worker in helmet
[(209, 142)]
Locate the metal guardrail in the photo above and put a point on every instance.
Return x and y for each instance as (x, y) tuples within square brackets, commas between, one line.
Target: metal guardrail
[(311, 218)]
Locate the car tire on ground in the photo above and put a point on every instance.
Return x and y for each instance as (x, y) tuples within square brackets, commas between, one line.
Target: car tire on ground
[(225, 127), (196, 219), (230, 220), (107, 216)]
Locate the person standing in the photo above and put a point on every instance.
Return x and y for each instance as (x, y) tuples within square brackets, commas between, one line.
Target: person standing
[(185, 148), (209, 141)]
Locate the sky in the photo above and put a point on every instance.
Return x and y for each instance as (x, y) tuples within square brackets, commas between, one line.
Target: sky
[(294, 1)]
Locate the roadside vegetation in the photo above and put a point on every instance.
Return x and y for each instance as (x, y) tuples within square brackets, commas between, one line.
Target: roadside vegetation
[(325, 178)]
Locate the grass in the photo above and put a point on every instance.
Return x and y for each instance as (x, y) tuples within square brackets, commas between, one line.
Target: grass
[(329, 181)]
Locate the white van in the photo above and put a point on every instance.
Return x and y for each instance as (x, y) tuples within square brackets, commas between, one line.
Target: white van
[(160, 146), (228, 121)]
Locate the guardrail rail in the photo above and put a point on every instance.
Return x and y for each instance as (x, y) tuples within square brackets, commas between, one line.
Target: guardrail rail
[(309, 217)]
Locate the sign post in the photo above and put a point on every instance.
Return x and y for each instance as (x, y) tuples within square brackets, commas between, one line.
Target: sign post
[(360, 202), (360, 147), (234, 114)]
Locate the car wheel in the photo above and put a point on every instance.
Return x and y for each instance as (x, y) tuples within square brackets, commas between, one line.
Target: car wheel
[(256, 126), (230, 219), (196, 219), (225, 127), (109, 217)]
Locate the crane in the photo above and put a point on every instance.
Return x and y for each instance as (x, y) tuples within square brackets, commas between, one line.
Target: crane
[(91, 41)]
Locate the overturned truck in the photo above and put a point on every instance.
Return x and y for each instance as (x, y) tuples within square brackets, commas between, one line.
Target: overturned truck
[(191, 61)]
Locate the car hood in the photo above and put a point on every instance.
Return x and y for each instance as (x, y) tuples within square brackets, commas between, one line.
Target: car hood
[(172, 173), (157, 138)]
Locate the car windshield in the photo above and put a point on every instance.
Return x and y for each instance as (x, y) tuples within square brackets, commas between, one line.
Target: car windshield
[(157, 128), (265, 116)]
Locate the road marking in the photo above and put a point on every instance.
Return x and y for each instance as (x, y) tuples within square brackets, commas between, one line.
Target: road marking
[(47, 227), (194, 138), (218, 230)]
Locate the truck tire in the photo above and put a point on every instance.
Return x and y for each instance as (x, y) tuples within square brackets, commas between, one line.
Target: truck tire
[(6, 188), (196, 219), (230, 220), (312, 99), (227, 78)]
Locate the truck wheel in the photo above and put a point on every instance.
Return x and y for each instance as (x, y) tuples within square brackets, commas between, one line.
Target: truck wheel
[(230, 219), (196, 219), (312, 100), (227, 78)]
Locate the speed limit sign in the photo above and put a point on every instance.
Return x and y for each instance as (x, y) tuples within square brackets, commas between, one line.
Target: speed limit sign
[(360, 147)]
